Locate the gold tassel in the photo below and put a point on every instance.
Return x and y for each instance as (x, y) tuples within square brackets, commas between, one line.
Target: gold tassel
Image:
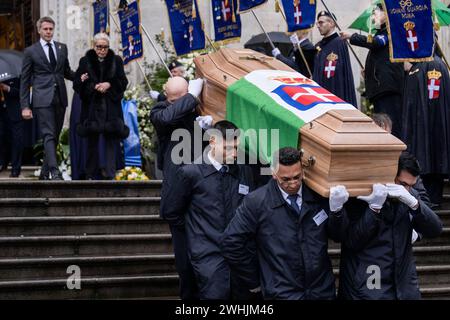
[(437, 26), (312, 1), (194, 12), (369, 38), (277, 6), (233, 17)]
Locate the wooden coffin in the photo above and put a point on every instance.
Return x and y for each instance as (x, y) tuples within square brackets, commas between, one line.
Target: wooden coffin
[(341, 147)]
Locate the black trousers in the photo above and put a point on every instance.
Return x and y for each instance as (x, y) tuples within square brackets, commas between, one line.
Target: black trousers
[(11, 141), (50, 121), (434, 184), (188, 284), (391, 104)]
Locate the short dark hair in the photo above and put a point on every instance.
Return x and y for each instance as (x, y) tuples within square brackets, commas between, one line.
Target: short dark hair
[(286, 156), (44, 19), (408, 163), (382, 120), (224, 126)]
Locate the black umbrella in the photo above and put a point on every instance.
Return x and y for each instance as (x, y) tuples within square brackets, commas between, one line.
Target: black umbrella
[(261, 43), (14, 59)]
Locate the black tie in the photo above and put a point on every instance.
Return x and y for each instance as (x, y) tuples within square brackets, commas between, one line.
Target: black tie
[(51, 55), (294, 205)]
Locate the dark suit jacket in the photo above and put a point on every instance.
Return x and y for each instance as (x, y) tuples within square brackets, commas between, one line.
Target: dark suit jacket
[(12, 100), (37, 73)]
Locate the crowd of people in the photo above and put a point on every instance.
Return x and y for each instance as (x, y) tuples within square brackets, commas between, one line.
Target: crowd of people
[(237, 234), (41, 94)]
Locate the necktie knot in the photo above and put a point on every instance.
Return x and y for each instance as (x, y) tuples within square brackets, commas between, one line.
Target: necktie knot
[(294, 205), (224, 169)]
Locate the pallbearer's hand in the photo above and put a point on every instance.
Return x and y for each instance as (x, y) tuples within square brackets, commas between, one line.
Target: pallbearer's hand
[(377, 198), (399, 192), (338, 197), (195, 87)]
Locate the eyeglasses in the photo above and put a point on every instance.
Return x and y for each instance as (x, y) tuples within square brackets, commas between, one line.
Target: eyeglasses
[(102, 47)]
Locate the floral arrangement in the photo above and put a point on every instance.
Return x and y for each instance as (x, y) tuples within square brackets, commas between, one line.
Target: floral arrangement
[(131, 174)]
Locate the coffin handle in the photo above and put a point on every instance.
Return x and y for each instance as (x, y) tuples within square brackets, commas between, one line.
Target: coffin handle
[(308, 163)]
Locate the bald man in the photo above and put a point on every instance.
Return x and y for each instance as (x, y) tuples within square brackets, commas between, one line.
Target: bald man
[(177, 112)]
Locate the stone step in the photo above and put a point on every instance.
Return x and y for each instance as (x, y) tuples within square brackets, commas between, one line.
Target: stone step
[(425, 255), (82, 225), (445, 217), (437, 292), (26, 173), (34, 207), (443, 239), (429, 276), (119, 287), (79, 189), (73, 245), (90, 266)]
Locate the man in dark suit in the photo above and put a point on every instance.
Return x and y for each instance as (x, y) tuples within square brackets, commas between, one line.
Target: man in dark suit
[(177, 112), (44, 68), (203, 201), (11, 126), (291, 225)]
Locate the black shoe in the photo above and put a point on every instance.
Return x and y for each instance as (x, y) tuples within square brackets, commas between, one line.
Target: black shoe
[(14, 174), (3, 168), (45, 175), (56, 174)]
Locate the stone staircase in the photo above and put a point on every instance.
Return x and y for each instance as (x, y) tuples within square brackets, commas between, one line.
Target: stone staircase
[(112, 232)]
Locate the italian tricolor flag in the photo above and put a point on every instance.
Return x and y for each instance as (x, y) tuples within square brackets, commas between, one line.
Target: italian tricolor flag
[(273, 99)]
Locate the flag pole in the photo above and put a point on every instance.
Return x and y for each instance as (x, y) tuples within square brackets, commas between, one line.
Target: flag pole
[(298, 45), (156, 50), (339, 28), (138, 63), (262, 27)]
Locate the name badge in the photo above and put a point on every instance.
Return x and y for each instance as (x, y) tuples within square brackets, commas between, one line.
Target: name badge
[(243, 189), (320, 217)]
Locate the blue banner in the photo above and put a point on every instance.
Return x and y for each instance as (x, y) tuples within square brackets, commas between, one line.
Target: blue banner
[(410, 27), (131, 145), (227, 22), (186, 26), (101, 16), (300, 14), (130, 25), (245, 5)]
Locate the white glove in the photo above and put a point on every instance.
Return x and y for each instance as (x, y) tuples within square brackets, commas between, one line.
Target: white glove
[(205, 122), (276, 52), (399, 192), (154, 94), (195, 87), (256, 290), (294, 39), (338, 196), (377, 198)]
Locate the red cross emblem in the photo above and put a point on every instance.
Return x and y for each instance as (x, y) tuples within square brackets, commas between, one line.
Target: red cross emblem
[(226, 10), (298, 14), (413, 41), (434, 88), (330, 69)]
